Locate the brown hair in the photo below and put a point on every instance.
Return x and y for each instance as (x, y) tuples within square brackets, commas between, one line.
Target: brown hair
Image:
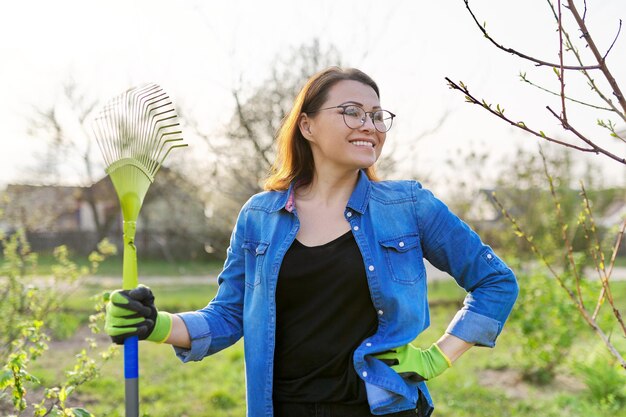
[(294, 159)]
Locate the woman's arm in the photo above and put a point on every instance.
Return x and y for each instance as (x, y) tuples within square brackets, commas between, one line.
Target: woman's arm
[(452, 346), (452, 246), (179, 336)]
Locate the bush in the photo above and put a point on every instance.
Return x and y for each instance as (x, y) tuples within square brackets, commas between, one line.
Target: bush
[(546, 326), (31, 307), (605, 381)]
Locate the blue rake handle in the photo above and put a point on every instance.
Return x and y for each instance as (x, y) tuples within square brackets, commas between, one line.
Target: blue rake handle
[(131, 344), (131, 376)]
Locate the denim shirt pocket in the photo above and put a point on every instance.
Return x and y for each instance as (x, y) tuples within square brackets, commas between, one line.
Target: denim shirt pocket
[(404, 258), (255, 256)]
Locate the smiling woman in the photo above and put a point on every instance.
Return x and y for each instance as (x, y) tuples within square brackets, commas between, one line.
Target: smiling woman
[(325, 276), (296, 143)]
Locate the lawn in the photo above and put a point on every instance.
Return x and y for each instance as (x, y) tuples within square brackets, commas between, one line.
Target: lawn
[(484, 383), (112, 266)]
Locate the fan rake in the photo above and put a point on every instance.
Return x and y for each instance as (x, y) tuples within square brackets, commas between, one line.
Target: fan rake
[(135, 132)]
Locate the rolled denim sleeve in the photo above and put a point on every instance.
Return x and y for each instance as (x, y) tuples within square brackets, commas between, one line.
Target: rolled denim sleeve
[(475, 328), (199, 334), (452, 246)]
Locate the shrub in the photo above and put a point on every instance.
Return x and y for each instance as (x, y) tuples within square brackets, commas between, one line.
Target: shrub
[(605, 381), (31, 307), (546, 326)]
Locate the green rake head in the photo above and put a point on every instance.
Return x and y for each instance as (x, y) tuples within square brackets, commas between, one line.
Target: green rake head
[(135, 132)]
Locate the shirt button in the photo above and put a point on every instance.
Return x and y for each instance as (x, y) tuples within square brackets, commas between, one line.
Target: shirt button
[(401, 244), (356, 227), (371, 267), (489, 256), (368, 344), (349, 214), (380, 312), (364, 374)]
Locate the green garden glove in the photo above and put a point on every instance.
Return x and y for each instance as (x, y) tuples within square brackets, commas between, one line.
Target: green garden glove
[(132, 313), (415, 363)]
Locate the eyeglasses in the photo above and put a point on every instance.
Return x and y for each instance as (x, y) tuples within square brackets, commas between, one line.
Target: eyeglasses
[(355, 117)]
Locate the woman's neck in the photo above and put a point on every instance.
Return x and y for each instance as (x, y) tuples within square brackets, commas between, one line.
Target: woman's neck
[(329, 189)]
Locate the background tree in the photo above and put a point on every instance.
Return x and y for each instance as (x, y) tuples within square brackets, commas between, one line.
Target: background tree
[(245, 152), (611, 99), (613, 103), (69, 149)]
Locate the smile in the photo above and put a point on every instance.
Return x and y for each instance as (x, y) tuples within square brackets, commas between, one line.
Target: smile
[(362, 143)]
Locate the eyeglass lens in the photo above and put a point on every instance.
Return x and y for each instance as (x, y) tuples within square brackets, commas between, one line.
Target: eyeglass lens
[(355, 117)]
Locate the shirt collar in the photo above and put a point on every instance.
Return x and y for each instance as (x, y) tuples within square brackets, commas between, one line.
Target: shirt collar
[(360, 196), (287, 200)]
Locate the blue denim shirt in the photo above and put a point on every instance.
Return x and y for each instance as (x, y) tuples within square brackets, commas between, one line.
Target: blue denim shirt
[(395, 224)]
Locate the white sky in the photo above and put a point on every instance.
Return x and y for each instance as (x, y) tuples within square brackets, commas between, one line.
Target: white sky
[(200, 50)]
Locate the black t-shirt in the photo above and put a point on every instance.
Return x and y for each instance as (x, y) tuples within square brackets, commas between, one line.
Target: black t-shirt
[(324, 311)]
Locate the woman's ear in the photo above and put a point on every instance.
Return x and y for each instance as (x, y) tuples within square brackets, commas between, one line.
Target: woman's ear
[(304, 123)]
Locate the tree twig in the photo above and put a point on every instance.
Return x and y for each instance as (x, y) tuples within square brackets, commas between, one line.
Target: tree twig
[(540, 134), (590, 79), (583, 312), (617, 92), (593, 106), (538, 62), (596, 148), (563, 225), (561, 73), (614, 40)]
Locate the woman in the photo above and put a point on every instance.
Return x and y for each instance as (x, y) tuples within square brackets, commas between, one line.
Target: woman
[(324, 277)]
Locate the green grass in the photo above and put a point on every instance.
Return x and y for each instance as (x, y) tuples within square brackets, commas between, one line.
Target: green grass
[(215, 386), (112, 266)]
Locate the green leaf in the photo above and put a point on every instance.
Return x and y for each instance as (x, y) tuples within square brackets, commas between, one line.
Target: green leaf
[(55, 412), (5, 379), (81, 412)]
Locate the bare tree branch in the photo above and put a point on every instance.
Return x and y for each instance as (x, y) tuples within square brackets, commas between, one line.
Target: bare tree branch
[(614, 40), (538, 62), (561, 73), (596, 149), (540, 134), (596, 53), (569, 252), (616, 247), (600, 267), (590, 79), (583, 311), (524, 78), (251, 134)]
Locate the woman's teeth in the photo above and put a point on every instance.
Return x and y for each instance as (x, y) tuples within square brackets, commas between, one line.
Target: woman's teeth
[(362, 143)]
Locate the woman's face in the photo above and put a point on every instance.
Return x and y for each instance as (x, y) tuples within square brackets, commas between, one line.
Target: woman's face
[(333, 143)]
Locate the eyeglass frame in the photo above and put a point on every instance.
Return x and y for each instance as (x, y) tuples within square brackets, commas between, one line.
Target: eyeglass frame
[(370, 113)]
